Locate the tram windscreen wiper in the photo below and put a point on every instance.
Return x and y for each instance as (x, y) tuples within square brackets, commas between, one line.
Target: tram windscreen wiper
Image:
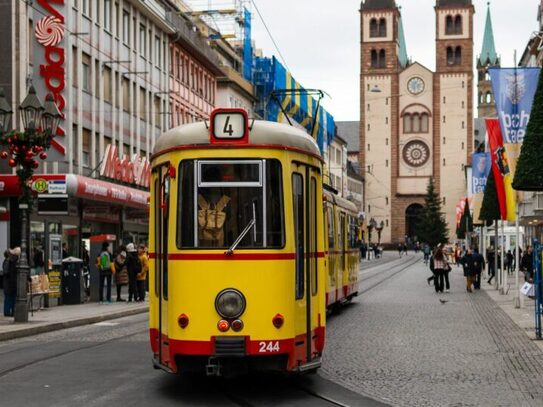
[(251, 224)]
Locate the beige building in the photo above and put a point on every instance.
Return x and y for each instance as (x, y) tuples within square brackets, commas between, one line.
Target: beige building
[(415, 124)]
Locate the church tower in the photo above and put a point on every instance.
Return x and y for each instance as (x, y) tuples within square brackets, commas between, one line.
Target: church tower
[(453, 101), (382, 57), (486, 105)]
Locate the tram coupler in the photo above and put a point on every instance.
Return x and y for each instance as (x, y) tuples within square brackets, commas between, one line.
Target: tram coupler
[(213, 367)]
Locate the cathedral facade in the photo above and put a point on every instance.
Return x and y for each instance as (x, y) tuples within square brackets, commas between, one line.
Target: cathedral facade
[(415, 124)]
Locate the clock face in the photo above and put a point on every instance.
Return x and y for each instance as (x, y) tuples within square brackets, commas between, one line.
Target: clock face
[(415, 85)]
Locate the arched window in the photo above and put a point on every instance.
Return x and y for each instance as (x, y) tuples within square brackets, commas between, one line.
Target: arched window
[(488, 98), (382, 59), (382, 27), (424, 120), (487, 76), (407, 128), (374, 29), (458, 24), (374, 59), (450, 56), (458, 56), (481, 98), (416, 123), (449, 25)]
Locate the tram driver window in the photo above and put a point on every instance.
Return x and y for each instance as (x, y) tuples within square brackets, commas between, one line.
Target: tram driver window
[(223, 197)]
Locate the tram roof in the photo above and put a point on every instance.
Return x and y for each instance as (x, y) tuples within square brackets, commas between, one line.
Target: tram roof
[(341, 202), (261, 132)]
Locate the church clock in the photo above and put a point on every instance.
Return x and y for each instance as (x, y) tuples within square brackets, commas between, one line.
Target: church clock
[(415, 85)]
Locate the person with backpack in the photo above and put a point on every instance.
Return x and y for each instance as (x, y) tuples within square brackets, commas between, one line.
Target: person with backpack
[(142, 275), (467, 261), (133, 265), (103, 262), (478, 265)]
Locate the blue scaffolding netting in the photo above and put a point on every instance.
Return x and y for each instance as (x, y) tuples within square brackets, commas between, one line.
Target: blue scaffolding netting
[(270, 75)]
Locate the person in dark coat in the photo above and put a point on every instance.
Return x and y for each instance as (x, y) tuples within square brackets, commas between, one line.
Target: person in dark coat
[(479, 265), (10, 280), (491, 264), (527, 264), (467, 262), (133, 265)]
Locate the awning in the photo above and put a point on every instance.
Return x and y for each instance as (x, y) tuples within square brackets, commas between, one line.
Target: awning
[(78, 186)]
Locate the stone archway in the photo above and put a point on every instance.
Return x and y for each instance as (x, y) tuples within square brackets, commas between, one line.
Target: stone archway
[(413, 214)]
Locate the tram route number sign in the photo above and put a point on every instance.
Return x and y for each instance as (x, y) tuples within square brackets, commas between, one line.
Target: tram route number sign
[(229, 126)]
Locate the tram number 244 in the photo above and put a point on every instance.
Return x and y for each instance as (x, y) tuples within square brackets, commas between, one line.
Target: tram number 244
[(268, 347)]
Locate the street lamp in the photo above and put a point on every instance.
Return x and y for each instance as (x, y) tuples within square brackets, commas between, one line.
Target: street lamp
[(379, 228), (371, 224), (40, 126)]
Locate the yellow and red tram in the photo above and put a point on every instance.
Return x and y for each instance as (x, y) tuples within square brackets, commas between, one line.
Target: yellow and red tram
[(239, 261)]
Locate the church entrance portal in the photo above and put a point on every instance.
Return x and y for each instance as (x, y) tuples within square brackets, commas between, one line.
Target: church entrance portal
[(413, 213)]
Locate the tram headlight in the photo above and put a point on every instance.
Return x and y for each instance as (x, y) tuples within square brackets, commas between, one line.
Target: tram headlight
[(230, 303)]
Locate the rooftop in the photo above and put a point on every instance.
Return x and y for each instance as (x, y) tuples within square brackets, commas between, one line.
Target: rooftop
[(350, 132), (377, 4)]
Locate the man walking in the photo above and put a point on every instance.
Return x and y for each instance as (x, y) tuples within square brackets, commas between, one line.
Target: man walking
[(104, 266), (467, 262), (478, 265), (133, 264)]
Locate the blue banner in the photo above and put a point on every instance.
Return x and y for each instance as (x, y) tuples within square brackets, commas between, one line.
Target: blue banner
[(514, 90), (481, 164), (247, 47)]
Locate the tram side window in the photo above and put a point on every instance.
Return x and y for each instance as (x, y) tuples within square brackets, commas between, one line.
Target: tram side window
[(274, 204), (185, 215), (298, 213), (330, 219), (353, 233)]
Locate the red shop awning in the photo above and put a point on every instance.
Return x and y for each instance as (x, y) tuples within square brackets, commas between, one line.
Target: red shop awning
[(79, 187)]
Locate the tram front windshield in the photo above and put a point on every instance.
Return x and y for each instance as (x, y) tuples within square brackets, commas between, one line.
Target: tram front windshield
[(221, 199)]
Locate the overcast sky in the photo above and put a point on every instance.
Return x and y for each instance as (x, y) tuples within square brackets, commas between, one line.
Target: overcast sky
[(320, 40)]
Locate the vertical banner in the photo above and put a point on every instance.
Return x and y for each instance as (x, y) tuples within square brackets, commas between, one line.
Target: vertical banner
[(481, 166), (49, 45), (514, 90), (500, 170), (247, 46)]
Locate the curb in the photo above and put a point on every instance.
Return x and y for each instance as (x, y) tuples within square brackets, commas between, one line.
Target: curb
[(55, 326)]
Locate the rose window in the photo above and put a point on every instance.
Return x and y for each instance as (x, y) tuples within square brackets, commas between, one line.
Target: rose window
[(416, 153)]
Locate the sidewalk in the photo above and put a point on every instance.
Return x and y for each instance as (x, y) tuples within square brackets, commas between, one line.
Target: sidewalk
[(524, 317), (67, 316)]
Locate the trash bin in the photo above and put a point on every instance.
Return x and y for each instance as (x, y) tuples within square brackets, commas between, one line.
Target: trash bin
[(73, 288)]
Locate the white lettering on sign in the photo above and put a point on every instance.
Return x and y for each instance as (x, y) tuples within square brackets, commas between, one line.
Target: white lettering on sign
[(229, 125), (136, 171), (514, 126)]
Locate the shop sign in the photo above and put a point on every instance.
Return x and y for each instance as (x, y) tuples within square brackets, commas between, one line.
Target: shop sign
[(106, 192), (49, 32), (135, 171)]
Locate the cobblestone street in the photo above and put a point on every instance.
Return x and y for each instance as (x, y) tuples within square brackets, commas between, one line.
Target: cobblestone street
[(413, 350)]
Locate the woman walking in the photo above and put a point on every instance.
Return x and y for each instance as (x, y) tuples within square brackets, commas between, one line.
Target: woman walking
[(440, 268), (121, 272)]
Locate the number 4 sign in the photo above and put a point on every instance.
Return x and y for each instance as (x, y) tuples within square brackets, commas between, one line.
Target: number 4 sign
[(229, 126)]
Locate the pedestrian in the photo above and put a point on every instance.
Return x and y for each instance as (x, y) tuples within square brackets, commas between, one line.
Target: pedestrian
[(65, 253), (440, 266), (478, 265), (133, 265), (469, 269), (491, 261), (363, 250), (400, 249), (527, 265), (509, 261), (405, 248), (120, 270), (426, 251), (376, 254), (103, 263), (142, 275), (9, 267)]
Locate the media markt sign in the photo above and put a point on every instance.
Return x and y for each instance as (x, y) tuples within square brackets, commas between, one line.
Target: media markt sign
[(135, 171)]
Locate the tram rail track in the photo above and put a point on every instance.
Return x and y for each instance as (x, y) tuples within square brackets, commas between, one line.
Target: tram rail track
[(397, 268)]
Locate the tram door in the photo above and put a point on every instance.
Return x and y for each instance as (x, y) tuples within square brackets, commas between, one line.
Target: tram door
[(304, 191), (161, 217)]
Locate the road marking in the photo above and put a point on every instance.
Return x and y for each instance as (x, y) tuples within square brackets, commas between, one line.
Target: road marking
[(106, 323)]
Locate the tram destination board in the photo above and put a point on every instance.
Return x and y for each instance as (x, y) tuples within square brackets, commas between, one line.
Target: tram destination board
[(53, 204)]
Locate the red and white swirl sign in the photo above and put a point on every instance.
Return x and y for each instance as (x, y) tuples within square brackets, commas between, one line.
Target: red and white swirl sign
[(49, 31)]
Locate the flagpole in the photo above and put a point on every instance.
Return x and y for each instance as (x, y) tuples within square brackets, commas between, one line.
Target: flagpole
[(516, 298), (496, 274), (504, 275)]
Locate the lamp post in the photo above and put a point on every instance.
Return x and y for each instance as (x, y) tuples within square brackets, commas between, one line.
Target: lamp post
[(379, 229), (40, 125), (371, 225)]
